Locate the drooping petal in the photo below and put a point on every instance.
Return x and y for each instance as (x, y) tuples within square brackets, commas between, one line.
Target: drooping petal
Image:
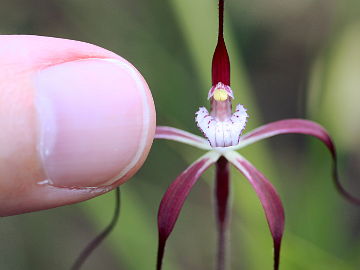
[(174, 199), (99, 238), (269, 199), (170, 133), (299, 126), (222, 188)]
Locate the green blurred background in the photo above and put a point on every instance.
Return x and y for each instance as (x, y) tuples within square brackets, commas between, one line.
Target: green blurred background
[(289, 59)]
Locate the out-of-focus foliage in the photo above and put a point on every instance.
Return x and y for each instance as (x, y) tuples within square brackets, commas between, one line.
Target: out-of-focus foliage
[(289, 59), (335, 89)]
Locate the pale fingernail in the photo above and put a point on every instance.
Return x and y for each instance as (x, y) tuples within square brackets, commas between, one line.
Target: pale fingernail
[(93, 120)]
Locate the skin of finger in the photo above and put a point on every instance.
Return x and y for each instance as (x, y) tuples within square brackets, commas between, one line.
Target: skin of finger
[(20, 167)]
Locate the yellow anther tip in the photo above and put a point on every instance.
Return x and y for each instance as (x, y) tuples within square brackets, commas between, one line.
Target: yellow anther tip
[(220, 95)]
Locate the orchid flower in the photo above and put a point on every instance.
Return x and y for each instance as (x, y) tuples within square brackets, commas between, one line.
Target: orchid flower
[(222, 129)]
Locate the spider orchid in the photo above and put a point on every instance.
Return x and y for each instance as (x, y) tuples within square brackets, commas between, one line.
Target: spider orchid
[(222, 129)]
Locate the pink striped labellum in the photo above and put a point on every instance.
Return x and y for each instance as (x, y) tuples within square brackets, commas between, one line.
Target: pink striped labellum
[(223, 129)]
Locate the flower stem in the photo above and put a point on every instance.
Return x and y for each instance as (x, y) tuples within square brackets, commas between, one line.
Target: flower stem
[(222, 187)]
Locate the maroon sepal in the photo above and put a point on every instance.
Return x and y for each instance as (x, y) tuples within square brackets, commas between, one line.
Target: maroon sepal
[(269, 199), (174, 199), (301, 126), (220, 62), (222, 190)]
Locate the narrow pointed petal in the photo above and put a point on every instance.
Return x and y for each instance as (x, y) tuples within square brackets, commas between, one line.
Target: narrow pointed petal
[(269, 199), (174, 134), (299, 126), (222, 188), (98, 239), (174, 199), (221, 62), (288, 126)]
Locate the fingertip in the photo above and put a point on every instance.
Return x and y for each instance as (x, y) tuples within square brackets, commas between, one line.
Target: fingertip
[(95, 121), (31, 52), (72, 127)]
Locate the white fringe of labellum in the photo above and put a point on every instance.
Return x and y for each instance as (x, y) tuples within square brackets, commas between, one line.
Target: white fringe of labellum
[(220, 127)]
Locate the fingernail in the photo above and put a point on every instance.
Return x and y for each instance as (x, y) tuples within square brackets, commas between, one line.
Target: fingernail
[(93, 121)]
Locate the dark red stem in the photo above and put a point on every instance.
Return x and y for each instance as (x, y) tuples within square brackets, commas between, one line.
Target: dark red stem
[(222, 187), (220, 61)]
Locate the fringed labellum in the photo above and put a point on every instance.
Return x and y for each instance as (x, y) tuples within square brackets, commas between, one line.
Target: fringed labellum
[(221, 127)]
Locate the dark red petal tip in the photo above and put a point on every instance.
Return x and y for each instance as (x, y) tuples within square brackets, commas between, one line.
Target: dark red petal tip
[(269, 199), (301, 126), (174, 199), (220, 62), (98, 239)]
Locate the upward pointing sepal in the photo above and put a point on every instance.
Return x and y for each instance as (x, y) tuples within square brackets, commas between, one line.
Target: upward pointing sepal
[(221, 62)]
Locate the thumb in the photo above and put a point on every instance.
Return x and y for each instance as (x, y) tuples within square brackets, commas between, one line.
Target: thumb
[(76, 121)]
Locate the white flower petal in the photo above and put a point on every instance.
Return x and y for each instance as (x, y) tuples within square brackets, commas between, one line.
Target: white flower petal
[(222, 133)]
